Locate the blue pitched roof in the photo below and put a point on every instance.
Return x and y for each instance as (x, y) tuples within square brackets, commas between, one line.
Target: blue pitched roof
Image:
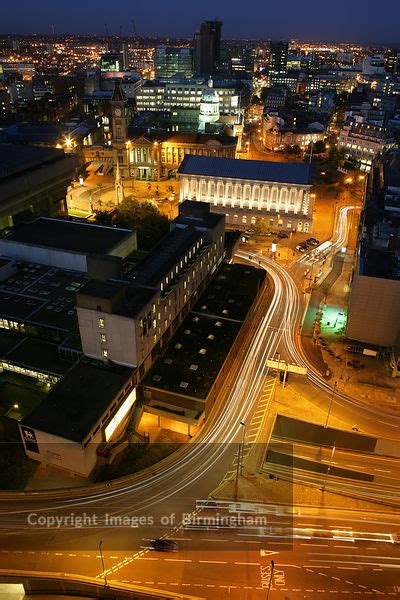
[(234, 168)]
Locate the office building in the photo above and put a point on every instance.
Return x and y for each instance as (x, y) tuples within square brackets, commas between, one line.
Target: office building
[(236, 60), (364, 141), (170, 62), (70, 290), (161, 96), (130, 319), (278, 57), (375, 290), (247, 191), (392, 62), (111, 61), (207, 47), (185, 380), (33, 182)]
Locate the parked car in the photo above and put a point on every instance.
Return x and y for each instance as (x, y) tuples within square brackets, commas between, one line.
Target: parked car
[(313, 241), (300, 248), (163, 545), (282, 235)]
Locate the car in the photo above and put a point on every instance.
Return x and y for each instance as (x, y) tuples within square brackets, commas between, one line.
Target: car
[(300, 248), (250, 231), (282, 235), (163, 545), (313, 241)]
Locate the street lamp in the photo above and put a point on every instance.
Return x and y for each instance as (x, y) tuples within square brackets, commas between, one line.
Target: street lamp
[(102, 563), (270, 577), (239, 459), (329, 466), (330, 404)]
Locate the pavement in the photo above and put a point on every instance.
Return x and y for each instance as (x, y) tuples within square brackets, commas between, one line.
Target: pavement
[(98, 193)]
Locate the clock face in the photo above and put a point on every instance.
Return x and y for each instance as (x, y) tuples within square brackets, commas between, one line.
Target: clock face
[(117, 112)]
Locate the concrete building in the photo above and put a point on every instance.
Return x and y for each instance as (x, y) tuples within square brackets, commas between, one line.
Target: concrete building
[(246, 191), (364, 141), (375, 291), (184, 382), (66, 244), (84, 410), (69, 407), (33, 182), (128, 320)]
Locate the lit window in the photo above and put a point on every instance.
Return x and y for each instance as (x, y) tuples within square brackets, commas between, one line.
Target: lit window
[(103, 338), (104, 353), (101, 323)]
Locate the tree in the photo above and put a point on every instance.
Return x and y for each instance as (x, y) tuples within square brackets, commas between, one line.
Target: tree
[(261, 227), (319, 147), (103, 217), (145, 217)]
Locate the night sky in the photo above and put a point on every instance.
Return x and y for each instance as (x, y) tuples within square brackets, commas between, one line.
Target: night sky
[(342, 20)]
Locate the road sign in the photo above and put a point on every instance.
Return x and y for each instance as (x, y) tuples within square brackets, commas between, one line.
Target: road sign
[(281, 365)]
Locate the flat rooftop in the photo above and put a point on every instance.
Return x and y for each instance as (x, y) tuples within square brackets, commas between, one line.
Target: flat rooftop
[(17, 159), (195, 354), (257, 170), (41, 295), (19, 395), (159, 262), (72, 408), (60, 234), (231, 292), (38, 355)]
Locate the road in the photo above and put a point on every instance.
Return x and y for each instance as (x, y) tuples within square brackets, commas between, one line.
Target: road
[(211, 561)]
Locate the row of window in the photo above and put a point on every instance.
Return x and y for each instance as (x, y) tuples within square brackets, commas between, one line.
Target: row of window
[(43, 377)]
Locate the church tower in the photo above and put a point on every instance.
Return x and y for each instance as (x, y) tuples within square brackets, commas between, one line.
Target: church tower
[(120, 118)]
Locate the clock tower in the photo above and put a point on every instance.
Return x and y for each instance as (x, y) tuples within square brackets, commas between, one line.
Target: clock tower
[(120, 118)]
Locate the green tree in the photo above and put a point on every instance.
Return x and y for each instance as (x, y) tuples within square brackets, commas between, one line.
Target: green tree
[(103, 217), (150, 224), (319, 147)]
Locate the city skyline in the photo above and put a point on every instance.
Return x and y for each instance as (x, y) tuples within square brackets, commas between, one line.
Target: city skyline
[(351, 22)]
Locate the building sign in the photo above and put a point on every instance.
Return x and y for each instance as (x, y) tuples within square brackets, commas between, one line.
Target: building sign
[(29, 438)]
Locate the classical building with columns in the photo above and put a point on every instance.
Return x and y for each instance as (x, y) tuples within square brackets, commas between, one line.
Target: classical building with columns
[(247, 191)]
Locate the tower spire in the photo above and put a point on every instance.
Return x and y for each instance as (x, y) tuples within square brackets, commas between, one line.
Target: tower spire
[(119, 188)]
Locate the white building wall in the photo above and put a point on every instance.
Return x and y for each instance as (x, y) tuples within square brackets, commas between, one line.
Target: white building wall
[(72, 261), (260, 199), (120, 336), (376, 302), (65, 454)]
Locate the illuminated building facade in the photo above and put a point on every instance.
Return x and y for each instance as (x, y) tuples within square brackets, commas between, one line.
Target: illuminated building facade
[(170, 61), (364, 141), (247, 191)]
